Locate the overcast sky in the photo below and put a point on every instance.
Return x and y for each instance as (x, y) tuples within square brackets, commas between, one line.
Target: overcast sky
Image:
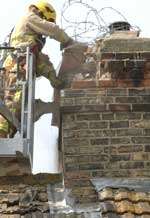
[(136, 12)]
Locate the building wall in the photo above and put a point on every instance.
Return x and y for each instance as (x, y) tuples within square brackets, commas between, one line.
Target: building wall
[(22, 200), (105, 134)]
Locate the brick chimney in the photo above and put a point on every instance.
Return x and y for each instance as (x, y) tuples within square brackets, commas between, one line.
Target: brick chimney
[(105, 119)]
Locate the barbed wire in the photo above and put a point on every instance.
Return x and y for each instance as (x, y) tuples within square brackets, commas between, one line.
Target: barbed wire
[(90, 24)]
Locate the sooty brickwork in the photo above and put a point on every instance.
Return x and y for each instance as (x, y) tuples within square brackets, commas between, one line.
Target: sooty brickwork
[(105, 133)]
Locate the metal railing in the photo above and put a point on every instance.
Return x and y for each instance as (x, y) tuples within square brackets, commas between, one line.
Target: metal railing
[(23, 142)]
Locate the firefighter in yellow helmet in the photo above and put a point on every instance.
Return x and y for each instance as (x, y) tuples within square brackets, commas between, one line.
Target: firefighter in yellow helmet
[(39, 21)]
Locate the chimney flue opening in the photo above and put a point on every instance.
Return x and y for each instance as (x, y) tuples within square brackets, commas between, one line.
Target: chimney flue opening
[(119, 26)]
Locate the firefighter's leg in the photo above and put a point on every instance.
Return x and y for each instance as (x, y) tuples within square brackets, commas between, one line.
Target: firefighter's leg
[(14, 104), (3, 121), (45, 68), (3, 127), (12, 99)]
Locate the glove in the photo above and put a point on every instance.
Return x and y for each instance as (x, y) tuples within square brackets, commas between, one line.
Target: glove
[(64, 45), (58, 83)]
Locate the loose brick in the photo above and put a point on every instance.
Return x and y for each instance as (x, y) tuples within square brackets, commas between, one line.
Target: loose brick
[(71, 150), (98, 158), (107, 55), (91, 166), (99, 141), (75, 125), (91, 150), (104, 100), (141, 107), (76, 142), (113, 172), (69, 133), (83, 158), (140, 124), (68, 118), (128, 100), (86, 133), (125, 157), (89, 116), (98, 173), (147, 148), (147, 164), (85, 101), (67, 101), (108, 133), (94, 108), (130, 148), (146, 132), (145, 55), (71, 159), (144, 99), (128, 115), (119, 124), (97, 133), (141, 173), (71, 167), (111, 149), (139, 156), (111, 165), (71, 109), (146, 115), (71, 182), (129, 56), (139, 91), (78, 175), (98, 125), (83, 84), (116, 92), (73, 93), (132, 165), (86, 191), (96, 92), (140, 140), (119, 107), (129, 132), (107, 116), (121, 140)]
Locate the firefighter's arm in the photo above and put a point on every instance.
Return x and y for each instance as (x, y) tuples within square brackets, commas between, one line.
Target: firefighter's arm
[(46, 28)]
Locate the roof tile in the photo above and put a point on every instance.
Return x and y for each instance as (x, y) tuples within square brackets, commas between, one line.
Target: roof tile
[(124, 203)]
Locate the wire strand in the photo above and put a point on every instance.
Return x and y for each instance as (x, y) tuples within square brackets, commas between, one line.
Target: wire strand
[(93, 25)]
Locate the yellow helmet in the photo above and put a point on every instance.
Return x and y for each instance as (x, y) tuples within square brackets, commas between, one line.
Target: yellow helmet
[(47, 10)]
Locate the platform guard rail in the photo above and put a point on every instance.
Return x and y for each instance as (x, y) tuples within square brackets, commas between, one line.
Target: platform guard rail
[(24, 139)]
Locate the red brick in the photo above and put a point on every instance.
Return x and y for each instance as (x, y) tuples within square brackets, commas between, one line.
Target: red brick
[(119, 107), (83, 84), (78, 175), (119, 124), (141, 107), (117, 92)]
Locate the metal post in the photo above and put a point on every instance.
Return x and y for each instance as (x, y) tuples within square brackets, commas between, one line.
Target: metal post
[(22, 131), (30, 103)]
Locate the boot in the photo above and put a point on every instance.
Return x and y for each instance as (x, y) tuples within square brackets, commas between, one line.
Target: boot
[(3, 134)]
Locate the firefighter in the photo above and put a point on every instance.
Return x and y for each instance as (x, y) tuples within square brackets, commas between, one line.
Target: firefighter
[(32, 30)]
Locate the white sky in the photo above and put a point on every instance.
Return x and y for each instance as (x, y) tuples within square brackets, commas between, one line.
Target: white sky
[(136, 12)]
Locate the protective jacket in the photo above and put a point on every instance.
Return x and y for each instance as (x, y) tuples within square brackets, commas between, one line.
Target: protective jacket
[(31, 27), (29, 31)]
